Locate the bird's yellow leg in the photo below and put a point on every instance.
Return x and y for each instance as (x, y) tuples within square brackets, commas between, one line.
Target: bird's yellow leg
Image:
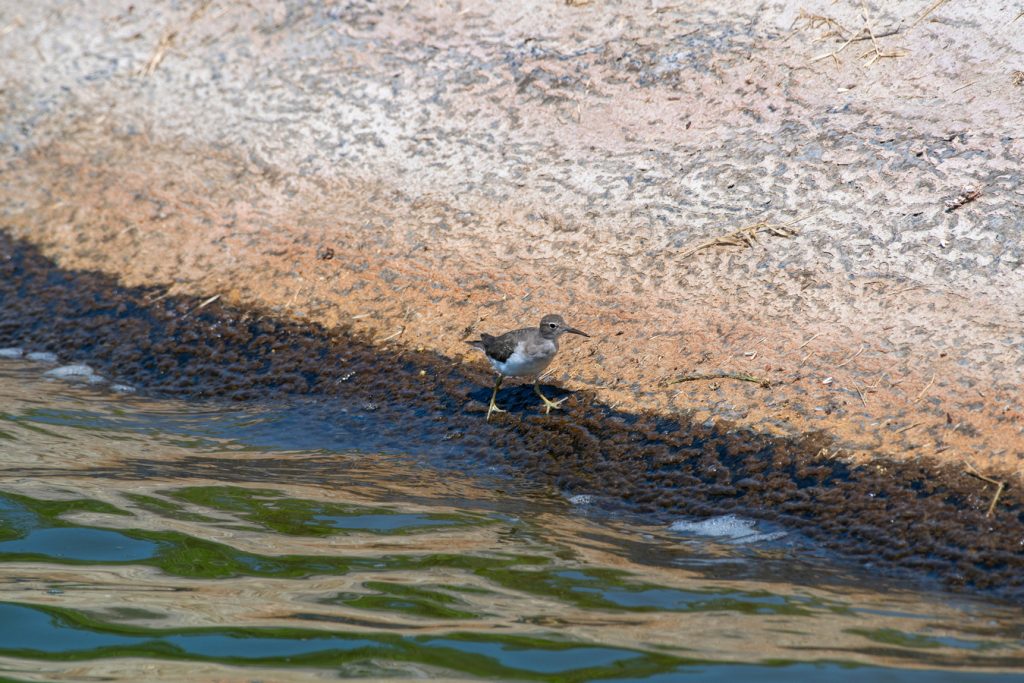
[(548, 403), (493, 408)]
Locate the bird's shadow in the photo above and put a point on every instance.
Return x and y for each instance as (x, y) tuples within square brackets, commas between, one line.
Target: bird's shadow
[(519, 398)]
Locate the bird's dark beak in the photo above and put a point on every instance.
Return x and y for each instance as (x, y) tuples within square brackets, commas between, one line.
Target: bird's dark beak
[(573, 330)]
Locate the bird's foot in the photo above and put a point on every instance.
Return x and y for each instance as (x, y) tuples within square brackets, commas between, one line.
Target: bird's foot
[(549, 404), (493, 408)]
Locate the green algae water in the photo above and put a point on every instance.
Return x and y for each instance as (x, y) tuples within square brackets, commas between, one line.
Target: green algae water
[(149, 539)]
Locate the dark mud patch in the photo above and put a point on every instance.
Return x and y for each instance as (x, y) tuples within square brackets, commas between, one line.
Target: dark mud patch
[(918, 516)]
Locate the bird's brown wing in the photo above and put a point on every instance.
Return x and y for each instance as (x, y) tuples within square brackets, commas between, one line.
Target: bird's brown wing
[(498, 348)]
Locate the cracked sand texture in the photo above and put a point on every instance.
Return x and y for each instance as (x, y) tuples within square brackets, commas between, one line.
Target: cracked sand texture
[(476, 165)]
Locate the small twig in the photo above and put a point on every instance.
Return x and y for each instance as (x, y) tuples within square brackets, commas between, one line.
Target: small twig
[(390, 337), (934, 6), (878, 54), (865, 32), (17, 22), (163, 296), (808, 341), (207, 302), (747, 235), (872, 387), (926, 388), (815, 21), (884, 34), (199, 11), (740, 376), (962, 87), (665, 8), (1000, 485), (201, 306), (158, 53), (862, 347), (836, 29), (908, 427), (835, 53)]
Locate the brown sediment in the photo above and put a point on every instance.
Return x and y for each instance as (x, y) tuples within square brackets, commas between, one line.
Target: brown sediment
[(921, 515)]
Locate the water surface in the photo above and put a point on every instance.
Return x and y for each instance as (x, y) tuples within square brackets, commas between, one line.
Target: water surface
[(146, 539)]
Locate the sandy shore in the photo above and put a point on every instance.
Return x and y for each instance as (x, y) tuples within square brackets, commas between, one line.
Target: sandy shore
[(426, 170)]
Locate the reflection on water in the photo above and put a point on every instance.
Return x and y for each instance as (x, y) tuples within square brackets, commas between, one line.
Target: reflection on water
[(95, 545), (154, 540)]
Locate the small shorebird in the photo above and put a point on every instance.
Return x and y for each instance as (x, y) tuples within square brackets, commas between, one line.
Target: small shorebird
[(524, 353)]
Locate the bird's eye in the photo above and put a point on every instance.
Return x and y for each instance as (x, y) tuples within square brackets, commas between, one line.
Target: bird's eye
[(552, 325)]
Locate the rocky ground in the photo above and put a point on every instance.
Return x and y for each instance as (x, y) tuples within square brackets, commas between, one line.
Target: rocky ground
[(824, 195)]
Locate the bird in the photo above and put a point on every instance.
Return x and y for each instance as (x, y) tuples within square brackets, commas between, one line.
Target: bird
[(523, 353)]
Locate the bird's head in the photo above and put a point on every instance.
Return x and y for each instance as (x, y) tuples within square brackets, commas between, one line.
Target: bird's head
[(553, 326)]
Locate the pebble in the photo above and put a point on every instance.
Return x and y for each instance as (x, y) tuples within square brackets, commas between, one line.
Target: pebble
[(81, 373)]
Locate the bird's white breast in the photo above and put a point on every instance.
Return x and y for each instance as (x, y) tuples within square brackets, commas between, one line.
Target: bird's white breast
[(521, 363)]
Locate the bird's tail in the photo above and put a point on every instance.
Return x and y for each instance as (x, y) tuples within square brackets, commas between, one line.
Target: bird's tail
[(480, 343)]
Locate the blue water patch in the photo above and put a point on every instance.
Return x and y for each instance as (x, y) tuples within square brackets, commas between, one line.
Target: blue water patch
[(24, 628), (15, 517), (538, 660), (216, 645), (81, 544), (300, 426), (835, 673)]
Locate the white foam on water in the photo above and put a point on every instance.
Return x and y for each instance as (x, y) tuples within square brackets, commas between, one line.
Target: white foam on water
[(581, 499), (77, 373), (727, 527), (122, 388), (42, 357), (12, 352)]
